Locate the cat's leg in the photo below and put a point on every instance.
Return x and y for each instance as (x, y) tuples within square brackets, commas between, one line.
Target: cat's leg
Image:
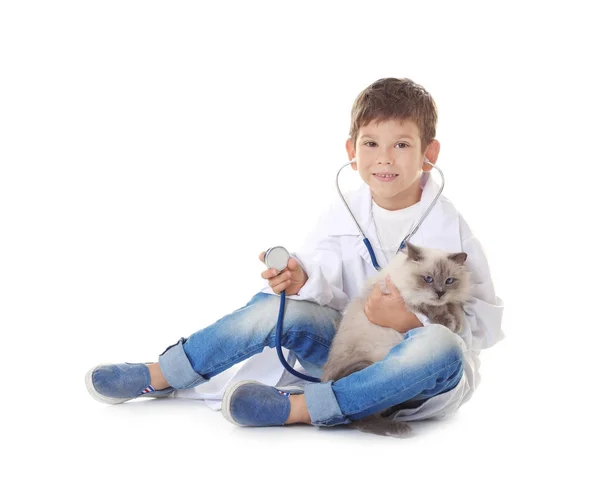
[(428, 362), (457, 314), (449, 316), (447, 321)]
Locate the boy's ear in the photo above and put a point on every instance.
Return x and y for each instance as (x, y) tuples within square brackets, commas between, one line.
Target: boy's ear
[(432, 152), (351, 152)]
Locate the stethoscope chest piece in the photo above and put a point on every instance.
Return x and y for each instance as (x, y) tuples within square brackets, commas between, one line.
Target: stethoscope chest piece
[(277, 257)]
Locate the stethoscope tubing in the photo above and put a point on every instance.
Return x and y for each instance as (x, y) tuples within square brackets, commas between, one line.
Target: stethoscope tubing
[(279, 329), (410, 234), (278, 346)]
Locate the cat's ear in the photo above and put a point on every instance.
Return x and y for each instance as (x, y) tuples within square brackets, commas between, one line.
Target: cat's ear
[(414, 252), (459, 257)]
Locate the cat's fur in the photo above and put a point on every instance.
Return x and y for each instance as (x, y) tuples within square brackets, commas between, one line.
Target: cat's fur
[(359, 343)]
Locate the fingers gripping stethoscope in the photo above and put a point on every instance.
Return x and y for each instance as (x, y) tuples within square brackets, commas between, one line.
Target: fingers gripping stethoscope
[(277, 257)]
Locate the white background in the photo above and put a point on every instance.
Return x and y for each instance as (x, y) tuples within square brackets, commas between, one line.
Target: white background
[(150, 150)]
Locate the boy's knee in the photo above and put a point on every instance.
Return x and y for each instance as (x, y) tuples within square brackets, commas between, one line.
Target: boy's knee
[(266, 309), (297, 315), (438, 343), (442, 335), (444, 339), (302, 310)]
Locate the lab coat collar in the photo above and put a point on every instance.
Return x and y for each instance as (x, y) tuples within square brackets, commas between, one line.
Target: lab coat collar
[(443, 215)]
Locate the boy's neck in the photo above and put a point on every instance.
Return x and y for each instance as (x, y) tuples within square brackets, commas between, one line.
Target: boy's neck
[(401, 201)]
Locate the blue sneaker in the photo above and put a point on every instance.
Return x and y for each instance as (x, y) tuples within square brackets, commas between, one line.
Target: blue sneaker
[(254, 404), (118, 383)]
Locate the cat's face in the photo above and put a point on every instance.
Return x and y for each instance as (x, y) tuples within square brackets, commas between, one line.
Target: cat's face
[(437, 278)]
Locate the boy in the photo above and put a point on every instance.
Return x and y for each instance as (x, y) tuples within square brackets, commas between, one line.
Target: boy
[(429, 374)]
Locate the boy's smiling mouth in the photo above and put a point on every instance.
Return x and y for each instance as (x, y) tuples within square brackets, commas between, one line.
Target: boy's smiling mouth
[(385, 177)]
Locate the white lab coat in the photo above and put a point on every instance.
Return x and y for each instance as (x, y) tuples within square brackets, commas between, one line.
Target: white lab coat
[(338, 263)]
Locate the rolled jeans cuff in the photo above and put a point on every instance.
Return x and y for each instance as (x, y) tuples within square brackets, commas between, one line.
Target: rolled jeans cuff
[(177, 369), (322, 405)]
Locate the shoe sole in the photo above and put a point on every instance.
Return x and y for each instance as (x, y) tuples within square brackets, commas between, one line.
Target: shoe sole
[(95, 394)]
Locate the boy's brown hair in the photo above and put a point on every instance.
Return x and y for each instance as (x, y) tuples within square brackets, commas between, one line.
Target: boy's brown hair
[(393, 98)]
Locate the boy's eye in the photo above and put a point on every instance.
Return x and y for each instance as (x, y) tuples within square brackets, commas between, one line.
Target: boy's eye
[(400, 145), (450, 281), (427, 279)]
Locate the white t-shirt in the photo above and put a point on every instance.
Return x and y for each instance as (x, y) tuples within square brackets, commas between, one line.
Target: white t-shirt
[(393, 226)]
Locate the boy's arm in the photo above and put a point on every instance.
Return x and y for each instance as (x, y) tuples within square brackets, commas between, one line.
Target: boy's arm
[(321, 259), (323, 265), (483, 312), (389, 309)]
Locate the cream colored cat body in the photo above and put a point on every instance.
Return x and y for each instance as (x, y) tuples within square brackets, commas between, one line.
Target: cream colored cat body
[(432, 282)]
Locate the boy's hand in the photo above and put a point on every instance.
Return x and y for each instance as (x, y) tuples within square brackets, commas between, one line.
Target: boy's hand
[(291, 279), (389, 310)]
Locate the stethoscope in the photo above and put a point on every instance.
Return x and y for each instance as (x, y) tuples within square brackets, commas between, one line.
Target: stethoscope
[(411, 233), (277, 257)]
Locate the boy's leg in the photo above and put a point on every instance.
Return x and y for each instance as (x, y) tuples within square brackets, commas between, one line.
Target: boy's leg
[(428, 362), (307, 331)]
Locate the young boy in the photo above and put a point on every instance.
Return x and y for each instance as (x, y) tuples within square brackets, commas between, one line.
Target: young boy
[(429, 374)]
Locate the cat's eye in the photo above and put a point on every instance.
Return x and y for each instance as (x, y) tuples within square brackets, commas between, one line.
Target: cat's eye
[(450, 281), (427, 279)]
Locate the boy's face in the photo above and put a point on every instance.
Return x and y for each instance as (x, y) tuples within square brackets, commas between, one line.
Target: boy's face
[(389, 159)]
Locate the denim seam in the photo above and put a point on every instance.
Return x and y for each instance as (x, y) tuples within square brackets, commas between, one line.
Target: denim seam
[(408, 387), (310, 336)]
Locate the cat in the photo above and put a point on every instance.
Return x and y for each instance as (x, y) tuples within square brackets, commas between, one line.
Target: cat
[(432, 282)]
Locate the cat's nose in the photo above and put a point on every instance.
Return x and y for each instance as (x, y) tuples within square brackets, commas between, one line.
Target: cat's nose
[(440, 293)]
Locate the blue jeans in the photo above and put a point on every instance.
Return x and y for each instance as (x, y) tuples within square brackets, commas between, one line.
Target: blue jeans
[(428, 362)]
